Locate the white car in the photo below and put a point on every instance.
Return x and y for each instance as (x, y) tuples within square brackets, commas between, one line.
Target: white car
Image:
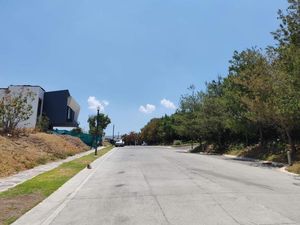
[(120, 143)]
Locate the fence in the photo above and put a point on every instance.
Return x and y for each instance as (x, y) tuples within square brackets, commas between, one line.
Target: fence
[(88, 139)]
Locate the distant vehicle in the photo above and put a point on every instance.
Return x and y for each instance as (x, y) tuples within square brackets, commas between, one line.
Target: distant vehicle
[(120, 143), (144, 144)]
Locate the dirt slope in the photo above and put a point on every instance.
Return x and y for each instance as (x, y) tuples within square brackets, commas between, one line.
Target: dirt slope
[(17, 154)]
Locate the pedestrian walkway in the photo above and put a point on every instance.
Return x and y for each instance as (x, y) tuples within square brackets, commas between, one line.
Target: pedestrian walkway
[(11, 181)]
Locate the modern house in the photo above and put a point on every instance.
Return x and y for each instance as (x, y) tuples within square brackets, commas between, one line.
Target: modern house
[(59, 106)]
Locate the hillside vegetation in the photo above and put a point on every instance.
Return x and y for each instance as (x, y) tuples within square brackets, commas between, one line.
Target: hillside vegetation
[(28, 151), (254, 108)]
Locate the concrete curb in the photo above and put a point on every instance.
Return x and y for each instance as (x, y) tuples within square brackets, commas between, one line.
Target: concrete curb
[(46, 211), (283, 170), (263, 162)]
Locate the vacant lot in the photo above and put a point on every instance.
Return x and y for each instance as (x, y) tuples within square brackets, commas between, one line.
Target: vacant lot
[(26, 152)]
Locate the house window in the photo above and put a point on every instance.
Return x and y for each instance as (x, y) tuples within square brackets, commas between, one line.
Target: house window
[(39, 111), (70, 114)]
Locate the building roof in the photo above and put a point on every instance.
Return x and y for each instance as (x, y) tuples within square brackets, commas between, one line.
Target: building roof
[(67, 91), (26, 85)]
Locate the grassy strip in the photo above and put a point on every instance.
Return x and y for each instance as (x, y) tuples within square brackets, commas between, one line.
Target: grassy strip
[(18, 200), (295, 168)]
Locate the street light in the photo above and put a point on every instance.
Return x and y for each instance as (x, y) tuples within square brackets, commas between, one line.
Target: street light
[(97, 130)]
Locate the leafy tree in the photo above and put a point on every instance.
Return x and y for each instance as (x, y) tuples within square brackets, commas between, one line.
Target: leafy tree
[(150, 133), (190, 102), (288, 32), (14, 109), (103, 120), (214, 113), (258, 101), (167, 131), (250, 70), (132, 138), (286, 71), (187, 119), (235, 120)]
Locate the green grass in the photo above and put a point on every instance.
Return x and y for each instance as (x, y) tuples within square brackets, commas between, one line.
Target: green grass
[(10, 220), (42, 185)]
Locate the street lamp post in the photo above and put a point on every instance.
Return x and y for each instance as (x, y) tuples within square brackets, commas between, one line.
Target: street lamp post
[(97, 131)]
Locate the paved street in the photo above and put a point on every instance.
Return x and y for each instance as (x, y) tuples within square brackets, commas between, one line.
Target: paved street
[(155, 185)]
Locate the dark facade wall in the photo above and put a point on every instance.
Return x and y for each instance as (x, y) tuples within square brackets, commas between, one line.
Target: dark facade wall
[(56, 108)]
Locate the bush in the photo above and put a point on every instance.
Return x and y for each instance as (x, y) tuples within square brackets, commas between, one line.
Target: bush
[(14, 109), (196, 149), (43, 124), (177, 142)]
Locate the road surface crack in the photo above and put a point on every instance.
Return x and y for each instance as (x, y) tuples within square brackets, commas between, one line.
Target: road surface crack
[(155, 198)]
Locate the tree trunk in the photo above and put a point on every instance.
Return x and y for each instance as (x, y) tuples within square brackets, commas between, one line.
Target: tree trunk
[(220, 141), (246, 139), (261, 138), (200, 144), (290, 141)]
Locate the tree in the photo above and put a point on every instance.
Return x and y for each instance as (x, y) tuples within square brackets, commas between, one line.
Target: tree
[(288, 32), (104, 121), (250, 70), (151, 132), (214, 113), (132, 138), (258, 101), (187, 119), (242, 129), (14, 109), (190, 102), (286, 71)]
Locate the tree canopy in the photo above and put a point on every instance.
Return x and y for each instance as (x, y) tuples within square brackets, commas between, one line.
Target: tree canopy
[(258, 101), (103, 120)]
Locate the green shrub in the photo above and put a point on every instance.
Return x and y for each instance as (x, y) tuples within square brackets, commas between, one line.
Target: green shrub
[(196, 149), (43, 124), (177, 142)]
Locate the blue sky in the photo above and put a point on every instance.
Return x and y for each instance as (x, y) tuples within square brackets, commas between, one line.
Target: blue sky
[(127, 54)]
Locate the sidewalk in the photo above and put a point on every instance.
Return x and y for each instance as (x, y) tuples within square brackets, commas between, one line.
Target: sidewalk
[(46, 211), (11, 181)]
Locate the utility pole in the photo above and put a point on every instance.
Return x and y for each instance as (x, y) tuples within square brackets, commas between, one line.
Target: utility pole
[(113, 136), (97, 131)]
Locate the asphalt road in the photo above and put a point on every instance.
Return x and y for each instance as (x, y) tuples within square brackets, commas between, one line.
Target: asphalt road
[(154, 185)]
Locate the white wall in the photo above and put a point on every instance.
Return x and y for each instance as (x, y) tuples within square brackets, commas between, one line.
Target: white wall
[(38, 92)]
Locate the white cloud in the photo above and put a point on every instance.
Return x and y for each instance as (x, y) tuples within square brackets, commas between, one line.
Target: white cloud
[(94, 103), (168, 104), (106, 103), (147, 109)]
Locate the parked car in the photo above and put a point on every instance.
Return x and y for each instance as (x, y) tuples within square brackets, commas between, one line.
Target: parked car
[(120, 143)]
